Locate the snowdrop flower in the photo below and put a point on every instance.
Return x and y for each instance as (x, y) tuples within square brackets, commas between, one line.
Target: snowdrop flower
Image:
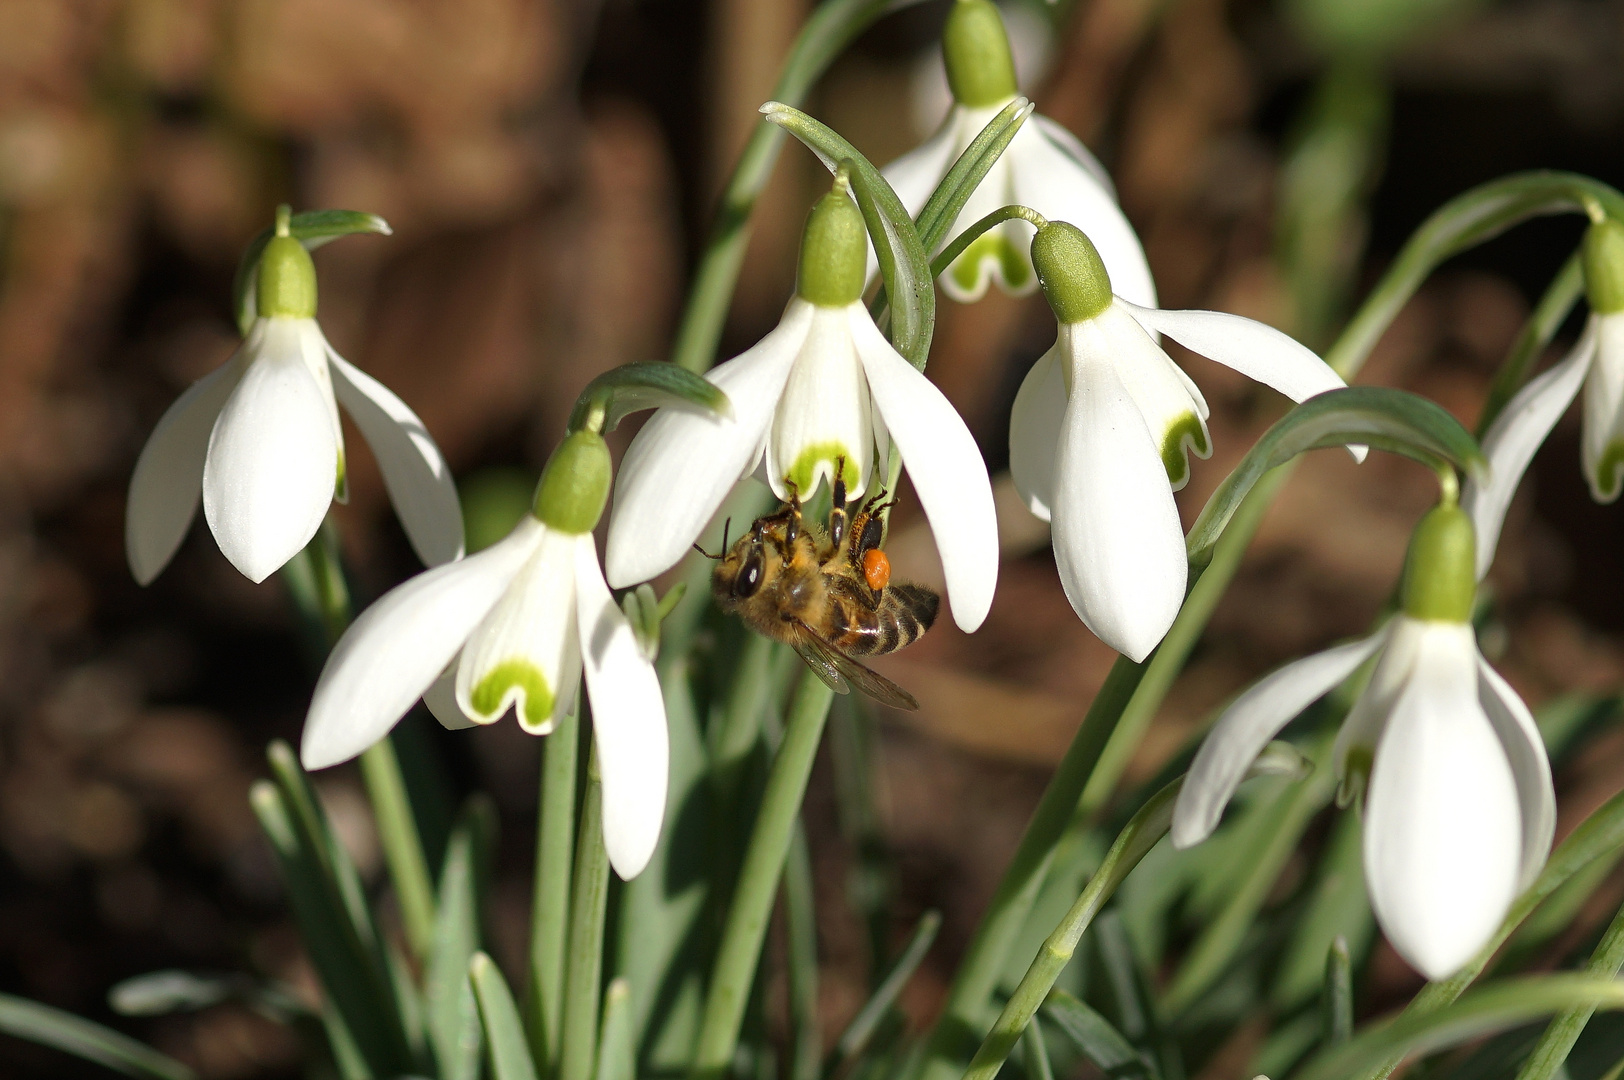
[(1044, 167), (1596, 365), (1459, 808), (520, 620), (1103, 426), (824, 387), (260, 439)]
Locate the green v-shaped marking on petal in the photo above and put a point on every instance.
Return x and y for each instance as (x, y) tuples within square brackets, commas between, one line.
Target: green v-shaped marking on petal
[(806, 465), (966, 269), (492, 690), (1610, 471), (1175, 458)]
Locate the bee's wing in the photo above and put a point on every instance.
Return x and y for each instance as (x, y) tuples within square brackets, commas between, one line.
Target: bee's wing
[(826, 660)]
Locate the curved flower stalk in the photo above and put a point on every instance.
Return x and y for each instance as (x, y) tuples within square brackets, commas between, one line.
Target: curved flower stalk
[(1103, 427), (1044, 167), (1459, 806), (259, 440), (824, 390), (517, 625), (1595, 365)]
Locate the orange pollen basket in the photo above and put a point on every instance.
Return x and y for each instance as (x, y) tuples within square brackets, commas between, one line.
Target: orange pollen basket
[(876, 569)]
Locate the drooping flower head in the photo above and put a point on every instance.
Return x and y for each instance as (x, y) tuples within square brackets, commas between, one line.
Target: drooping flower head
[(259, 440), (1459, 807), (1044, 167), (513, 627), (822, 390), (1102, 430)]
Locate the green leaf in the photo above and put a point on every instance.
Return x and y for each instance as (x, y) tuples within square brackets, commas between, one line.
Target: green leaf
[(942, 209), (617, 1055), (903, 263), (1482, 1012), (1101, 1043), (1337, 997), (453, 1015), (313, 228), (1338, 906), (621, 391), (504, 1035), (75, 1035), (1393, 420), (861, 1029)]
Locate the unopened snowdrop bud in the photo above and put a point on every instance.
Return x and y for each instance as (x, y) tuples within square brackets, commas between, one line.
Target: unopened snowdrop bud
[(574, 486), (833, 248), (287, 277), (1071, 272), (1603, 256), (1440, 571), (975, 48)]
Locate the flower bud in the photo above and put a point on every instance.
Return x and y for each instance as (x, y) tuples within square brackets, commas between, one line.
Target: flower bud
[(1604, 266), (1440, 570), (574, 486), (1071, 272), (834, 249), (980, 67), (287, 277)]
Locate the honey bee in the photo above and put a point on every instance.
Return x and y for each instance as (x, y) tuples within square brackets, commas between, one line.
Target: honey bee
[(827, 594)]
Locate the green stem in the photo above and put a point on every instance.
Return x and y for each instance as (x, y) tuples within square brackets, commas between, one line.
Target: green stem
[(550, 902), (402, 846), (1547, 318), (1564, 1030), (962, 242), (801, 928), (746, 926), (1148, 826), (583, 981), (826, 34)]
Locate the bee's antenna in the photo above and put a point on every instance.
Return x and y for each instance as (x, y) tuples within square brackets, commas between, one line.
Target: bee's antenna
[(717, 557)]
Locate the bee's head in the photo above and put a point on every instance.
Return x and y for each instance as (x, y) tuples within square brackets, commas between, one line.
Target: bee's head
[(740, 570)]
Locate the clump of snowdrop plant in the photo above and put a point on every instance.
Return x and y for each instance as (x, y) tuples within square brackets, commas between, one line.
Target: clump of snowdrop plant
[(1103, 427), (259, 441)]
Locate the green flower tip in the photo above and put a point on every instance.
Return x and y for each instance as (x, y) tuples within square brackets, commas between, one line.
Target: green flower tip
[(1071, 272), (574, 486), (834, 249), (287, 277), (980, 67), (1604, 266), (1440, 570)]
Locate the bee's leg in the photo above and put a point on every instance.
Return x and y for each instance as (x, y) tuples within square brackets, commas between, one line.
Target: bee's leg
[(838, 518)]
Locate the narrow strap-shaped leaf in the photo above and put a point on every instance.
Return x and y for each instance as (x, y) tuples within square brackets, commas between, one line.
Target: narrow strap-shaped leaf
[(617, 1054), (1035, 1053), (903, 263), (453, 1016), (83, 1038), (941, 210), (1393, 420), (621, 391), (861, 1029), (504, 1035), (1100, 1042), (1337, 997), (313, 228)]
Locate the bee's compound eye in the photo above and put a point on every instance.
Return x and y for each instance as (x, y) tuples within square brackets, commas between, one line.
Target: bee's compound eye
[(749, 578)]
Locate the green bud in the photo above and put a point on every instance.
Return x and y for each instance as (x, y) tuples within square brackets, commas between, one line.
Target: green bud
[(1604, 266), (980, 67), (1071, 272), (1440, 570), (575, 484), (287, 277), (834, 249)]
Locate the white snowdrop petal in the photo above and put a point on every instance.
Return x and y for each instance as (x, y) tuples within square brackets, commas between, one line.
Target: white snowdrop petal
[(400, 645), (441, 699), (681, 466), (1401, 639), (1602, 444), (521, 656), (823, 413), (168, 481), (915, 175), (1176, 416), (1048, 177), (628, 721), (1118, 543), (1073, 148), (1034, 431), (273, 459), (1256, 350), (946, 468), (1531, 768), (1442, 825), (1246, 727), (415, 473), (1515, 436)]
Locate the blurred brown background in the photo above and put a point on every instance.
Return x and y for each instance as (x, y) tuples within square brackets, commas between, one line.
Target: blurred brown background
[(548, 167)]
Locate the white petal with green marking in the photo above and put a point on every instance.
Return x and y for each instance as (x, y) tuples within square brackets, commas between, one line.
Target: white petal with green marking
[(524, 655), (1603, 442), (824, 414)]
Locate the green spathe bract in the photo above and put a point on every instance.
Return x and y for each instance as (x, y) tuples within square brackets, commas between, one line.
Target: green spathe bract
[(1071, 272), (980, 67), (1440, 571), (834, 247), (287, 277), (1604, 266), (574, 486)]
